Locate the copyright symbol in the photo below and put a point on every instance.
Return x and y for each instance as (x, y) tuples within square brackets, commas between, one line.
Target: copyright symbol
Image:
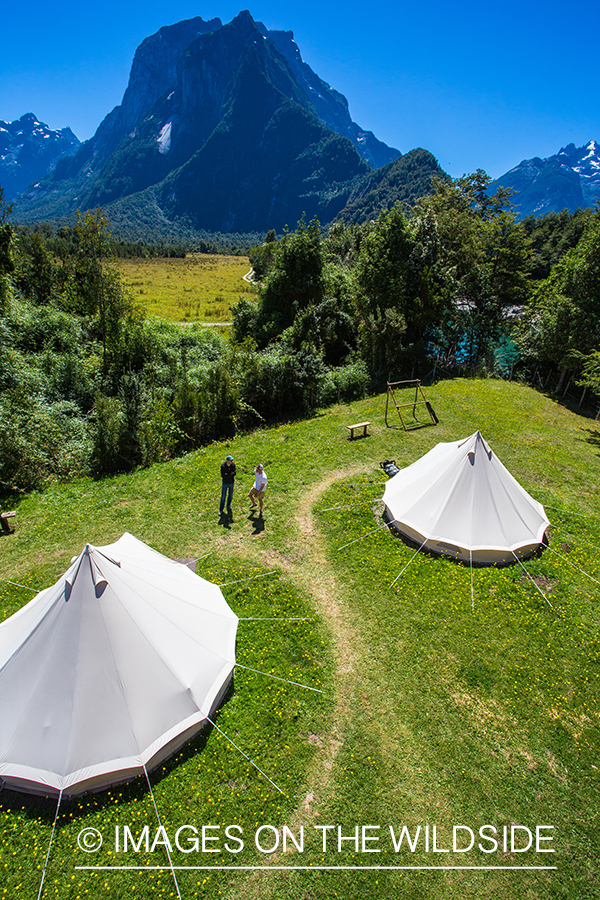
[(89, 840)]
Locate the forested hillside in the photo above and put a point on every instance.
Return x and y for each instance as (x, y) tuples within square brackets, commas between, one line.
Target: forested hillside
[(89, 385)]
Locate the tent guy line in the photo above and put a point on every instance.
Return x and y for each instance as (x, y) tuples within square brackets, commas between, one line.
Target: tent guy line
[(277, 678), (537, 587), (245, 755), (408, 563), (351, 505), (569, 513), (160, 825), (49, 845), (276, 619), (362, 537), (578, 540), (472, 590), (564, 558)]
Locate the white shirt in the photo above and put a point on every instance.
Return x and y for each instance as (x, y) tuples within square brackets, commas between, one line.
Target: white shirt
[(260, 480)]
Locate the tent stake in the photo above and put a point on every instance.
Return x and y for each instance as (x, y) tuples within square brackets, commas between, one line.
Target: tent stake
[(531, 579), (51, 839), (160, 825), (591, 577), (27, 588), (408, 563), (343, 547), (277, 678), (208, 719)]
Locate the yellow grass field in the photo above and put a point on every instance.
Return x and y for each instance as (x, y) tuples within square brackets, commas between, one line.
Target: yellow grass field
[(200, 288)]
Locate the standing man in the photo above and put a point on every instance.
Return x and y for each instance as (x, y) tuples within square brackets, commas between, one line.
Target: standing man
[(228, 473)]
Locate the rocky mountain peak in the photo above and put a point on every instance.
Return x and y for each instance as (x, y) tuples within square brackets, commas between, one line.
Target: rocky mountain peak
[(568, 180), (223, 127), (29, 149)]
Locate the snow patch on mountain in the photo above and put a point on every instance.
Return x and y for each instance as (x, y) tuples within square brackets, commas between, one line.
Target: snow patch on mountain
[(164, 138)]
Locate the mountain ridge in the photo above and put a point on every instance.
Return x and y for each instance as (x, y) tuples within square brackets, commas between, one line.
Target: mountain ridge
[(570, 179), (29, 150), (225, 128)]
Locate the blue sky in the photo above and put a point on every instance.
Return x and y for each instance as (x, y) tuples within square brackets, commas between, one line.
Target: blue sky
[(480, 85)]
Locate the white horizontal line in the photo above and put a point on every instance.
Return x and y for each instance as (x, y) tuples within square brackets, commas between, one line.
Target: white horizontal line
[(268, 868)]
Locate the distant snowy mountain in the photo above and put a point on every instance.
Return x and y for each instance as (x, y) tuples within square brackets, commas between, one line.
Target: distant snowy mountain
[(567, 180), (29, 150)]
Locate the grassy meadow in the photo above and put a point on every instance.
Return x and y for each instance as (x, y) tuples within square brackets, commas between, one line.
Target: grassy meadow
[(199, 288), (441, 707)]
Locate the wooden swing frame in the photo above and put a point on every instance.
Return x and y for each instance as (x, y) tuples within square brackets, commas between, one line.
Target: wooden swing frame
[(423, 401)]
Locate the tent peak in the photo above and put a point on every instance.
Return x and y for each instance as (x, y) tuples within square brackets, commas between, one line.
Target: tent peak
[(99, 579), (472, 442)]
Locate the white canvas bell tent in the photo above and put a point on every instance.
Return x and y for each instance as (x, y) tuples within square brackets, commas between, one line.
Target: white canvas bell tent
[(460, 501), (110, 670)]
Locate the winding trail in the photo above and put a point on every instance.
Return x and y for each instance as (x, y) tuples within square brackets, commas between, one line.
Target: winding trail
[(314, 576)]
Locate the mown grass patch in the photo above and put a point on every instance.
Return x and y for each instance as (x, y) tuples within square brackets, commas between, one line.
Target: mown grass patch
[(456, 712), (491, 714), (209, 782), (198, 288)]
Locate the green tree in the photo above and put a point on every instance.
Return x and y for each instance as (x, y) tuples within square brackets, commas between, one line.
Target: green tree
[(395, 295), (94, 288), (295, 281), (323, 329), (563, 319), (106, 427), (6, 260), (483, 264), (36, 274), (262, 255), (551, 236)]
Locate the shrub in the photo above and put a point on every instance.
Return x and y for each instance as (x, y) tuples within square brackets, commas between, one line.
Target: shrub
[(40, 441)]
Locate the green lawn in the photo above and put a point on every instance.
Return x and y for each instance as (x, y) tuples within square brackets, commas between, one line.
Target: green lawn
[(435, 713), (199, 288)]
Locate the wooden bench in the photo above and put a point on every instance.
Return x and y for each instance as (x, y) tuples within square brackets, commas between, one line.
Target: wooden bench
[(3, 517), (363, 425)]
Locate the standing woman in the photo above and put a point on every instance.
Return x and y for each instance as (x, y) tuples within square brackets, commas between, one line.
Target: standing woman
[(257, 491)]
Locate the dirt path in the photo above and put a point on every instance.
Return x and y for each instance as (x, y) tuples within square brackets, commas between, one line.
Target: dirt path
[(314, 576)]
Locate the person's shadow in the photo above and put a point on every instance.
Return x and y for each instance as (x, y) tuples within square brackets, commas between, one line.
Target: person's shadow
[(225, 519), (257, 521)]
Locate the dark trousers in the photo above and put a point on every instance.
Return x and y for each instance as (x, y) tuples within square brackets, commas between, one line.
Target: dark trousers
[(226, 495)]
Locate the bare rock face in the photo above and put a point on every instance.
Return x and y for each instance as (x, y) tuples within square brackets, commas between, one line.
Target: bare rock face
[(153, 72), (29, 150)]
